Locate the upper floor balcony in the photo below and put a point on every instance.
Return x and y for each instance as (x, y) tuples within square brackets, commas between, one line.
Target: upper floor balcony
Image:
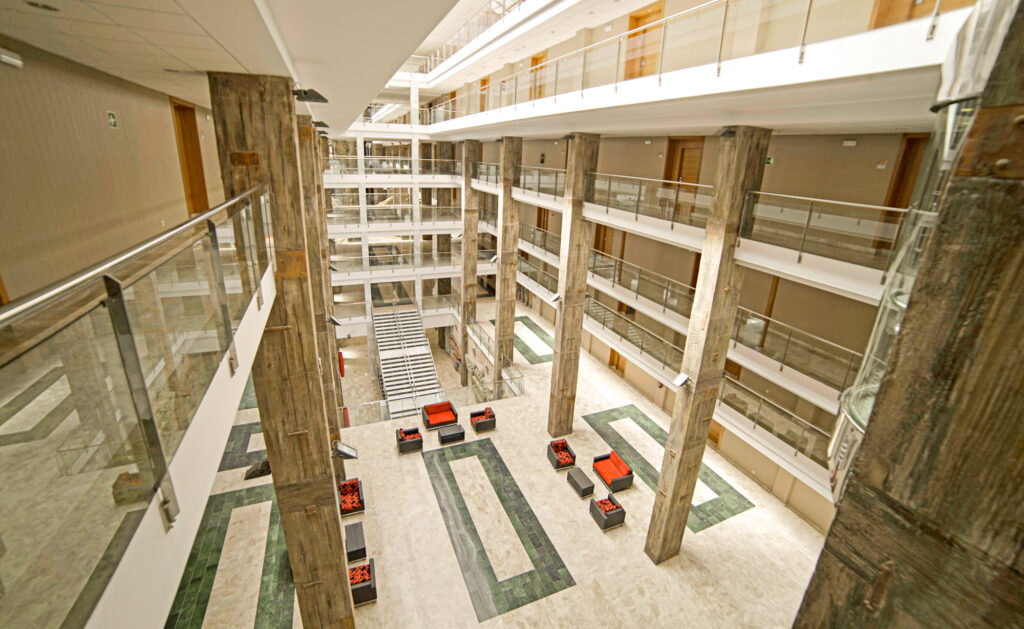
[(388, 170)]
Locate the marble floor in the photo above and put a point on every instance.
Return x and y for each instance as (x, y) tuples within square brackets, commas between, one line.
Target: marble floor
[(485, 532)]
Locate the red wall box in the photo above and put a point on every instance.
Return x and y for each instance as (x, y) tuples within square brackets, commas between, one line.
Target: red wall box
[(341, 364)]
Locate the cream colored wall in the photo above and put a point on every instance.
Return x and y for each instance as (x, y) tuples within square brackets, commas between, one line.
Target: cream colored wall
[(211, 165), (76, 191), (832, 317), (632, 157)]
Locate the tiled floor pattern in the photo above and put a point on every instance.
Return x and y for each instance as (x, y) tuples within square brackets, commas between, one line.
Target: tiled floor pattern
[(238, 453), (531, 348), (727, 501), (491, 596), (746, 567)]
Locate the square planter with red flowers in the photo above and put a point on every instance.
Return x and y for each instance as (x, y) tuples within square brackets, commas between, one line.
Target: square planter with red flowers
[(608, 513), (560, 455), (350, 495), (363, 582)]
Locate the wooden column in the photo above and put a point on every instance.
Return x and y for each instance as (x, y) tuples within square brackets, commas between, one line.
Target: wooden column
[(319, 275), (929, 530), (325, 261), (470, 237), (741, 158), (508, 257), (443, 242), (577, 234), (257, 141)]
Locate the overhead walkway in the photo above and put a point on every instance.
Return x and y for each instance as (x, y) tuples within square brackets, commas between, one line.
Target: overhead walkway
[(407, 375)]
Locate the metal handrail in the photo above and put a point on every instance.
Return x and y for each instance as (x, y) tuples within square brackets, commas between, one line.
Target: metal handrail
[(809, 334), (641, 269), (884, 208), (664, 181), (548, 168), (590, 299), (799, 420), (27, 302)]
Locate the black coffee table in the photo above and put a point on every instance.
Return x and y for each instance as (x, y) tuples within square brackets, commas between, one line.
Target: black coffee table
[(355, 543), (580, 482), (451, 434)]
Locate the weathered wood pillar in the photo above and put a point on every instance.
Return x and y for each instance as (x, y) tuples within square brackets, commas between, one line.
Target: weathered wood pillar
[(929, 530), (470, 236), (443, 242), (508, 258), (574, 254), (257, 141), (311, 181), (741, 158)]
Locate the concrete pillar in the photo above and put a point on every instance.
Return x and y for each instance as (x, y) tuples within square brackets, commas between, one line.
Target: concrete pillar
[(257, 141), (443, 242), (577, 234), (470, 236), (741, 158), (508, 257)]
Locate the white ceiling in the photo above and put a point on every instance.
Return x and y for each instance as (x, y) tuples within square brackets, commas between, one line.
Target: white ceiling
[(345, 50)]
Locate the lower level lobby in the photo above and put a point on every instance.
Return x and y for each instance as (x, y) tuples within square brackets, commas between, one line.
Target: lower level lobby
[(486, 532)]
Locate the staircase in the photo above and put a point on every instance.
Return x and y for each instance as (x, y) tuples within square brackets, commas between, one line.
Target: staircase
[(407, 374)]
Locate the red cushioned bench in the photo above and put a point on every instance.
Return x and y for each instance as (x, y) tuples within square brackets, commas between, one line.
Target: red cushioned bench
[(613, 471), (439, 414)]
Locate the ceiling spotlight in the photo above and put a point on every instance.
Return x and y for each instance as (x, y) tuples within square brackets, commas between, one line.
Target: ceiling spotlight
[(42, 5), (320, 123), (309, 96)]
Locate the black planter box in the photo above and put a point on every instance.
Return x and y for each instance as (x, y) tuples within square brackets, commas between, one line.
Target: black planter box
[(608, 520), (408, 445), (553, 456), (365, 592)]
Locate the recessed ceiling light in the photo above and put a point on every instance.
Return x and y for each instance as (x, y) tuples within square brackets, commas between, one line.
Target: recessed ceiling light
[(42, 5)]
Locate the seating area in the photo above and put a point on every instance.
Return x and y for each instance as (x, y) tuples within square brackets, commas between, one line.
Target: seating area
[(560, 455), (613, 471), (439, 414), (483, 420), (363, 582), (607, 513), (409, 440), (351, 496)]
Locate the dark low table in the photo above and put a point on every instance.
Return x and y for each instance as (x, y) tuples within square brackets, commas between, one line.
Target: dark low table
[(450, 434), (355, 543), (580, 482)]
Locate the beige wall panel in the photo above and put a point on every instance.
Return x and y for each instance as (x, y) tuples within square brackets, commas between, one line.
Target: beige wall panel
[(632, 157), (663, 258), (832, 317), (755, 290), (756, 465), (812, 506), (553, 150), (75, 190)]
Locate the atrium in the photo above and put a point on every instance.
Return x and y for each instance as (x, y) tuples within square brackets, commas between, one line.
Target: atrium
[(459, 313)]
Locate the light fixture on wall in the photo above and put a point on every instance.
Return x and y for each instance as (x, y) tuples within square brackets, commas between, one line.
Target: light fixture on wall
[(309, 96), (320, 123), (554, 299), (495, 258), (680, 380), (11, 58), (341, 450)]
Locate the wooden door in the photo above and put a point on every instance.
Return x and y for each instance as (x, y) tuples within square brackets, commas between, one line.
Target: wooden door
[(644, 45), (190, 156), (682, 163), (901, 186), (484, 82), (537, 75), (616, 361), (542, 218)]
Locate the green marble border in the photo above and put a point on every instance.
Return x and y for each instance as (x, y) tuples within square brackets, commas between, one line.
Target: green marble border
[(524, 348), (492, 597), (277, 590), (236, 452), (729, 501)]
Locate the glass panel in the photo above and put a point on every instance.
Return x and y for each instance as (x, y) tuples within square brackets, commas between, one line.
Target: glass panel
[(178, 328), (73, 467), (237, 282), (692, 39)]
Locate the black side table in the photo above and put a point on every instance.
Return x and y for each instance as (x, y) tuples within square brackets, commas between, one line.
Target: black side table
[(450, 434), (355, 543)]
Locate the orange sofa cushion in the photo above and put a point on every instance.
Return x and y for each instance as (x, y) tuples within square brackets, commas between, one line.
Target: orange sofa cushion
[(440, 418), (619, 464), (607, 470)]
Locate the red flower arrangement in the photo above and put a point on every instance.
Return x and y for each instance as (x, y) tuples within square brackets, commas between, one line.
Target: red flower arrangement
[(607, 506), (359, 574)]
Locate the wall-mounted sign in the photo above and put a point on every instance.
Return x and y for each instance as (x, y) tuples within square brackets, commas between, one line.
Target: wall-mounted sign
[(769, 160), (112, 119)]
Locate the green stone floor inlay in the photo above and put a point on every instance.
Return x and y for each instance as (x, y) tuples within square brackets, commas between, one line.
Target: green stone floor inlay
[(277, 590), (532, 357), (492, 597), (728, 502)]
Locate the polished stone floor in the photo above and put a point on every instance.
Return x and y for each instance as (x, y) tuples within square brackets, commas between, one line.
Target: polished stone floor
[(486, 532)]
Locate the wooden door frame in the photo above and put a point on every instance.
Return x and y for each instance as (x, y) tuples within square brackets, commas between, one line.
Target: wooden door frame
[(192, 175), (537, 61), (638, 19)]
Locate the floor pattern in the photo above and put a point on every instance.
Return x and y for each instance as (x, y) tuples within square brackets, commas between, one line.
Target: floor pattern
[(524, 348), (237, 453), (490, 596), (728, 501)]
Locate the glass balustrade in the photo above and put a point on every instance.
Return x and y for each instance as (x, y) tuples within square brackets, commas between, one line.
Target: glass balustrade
[(487, 172), (440, 214), (389, 214), (816, 357), (550, 181), (439, 302), (852, 232), (101, 376), (350, 310), (538, 237), (646, 342), (533, 270), (394, 114), (670, 294), (804, 437), (492, 12), (480, 335), (489, 215), (439, 167), (705, 35), (673, 201), (343, 216), (354, 264)]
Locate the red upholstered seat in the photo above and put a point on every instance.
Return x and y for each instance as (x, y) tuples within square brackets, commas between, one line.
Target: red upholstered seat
[(439, 413), (359, 574), (406, 436), (349, 486), (564, 458), (611, 468), (607, 505)]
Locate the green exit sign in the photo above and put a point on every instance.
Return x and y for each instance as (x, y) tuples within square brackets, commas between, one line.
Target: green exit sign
[(769, 160), (112, 119)]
